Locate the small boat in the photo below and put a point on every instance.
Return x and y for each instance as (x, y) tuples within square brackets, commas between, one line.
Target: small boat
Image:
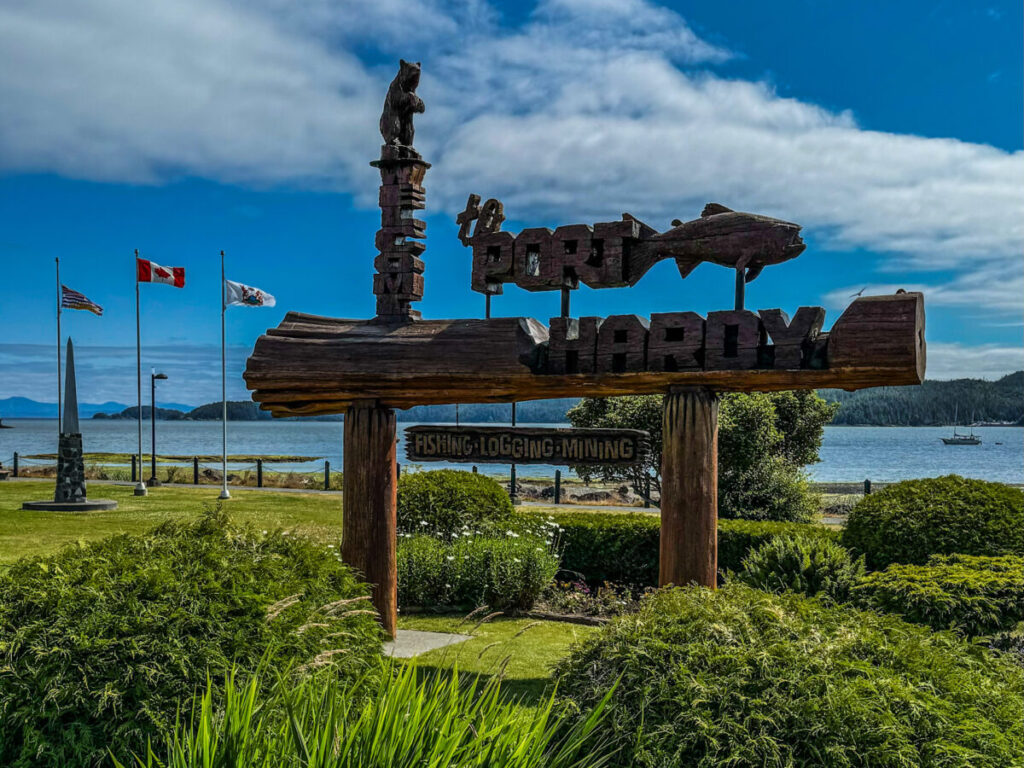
[(5, 426), (958, 439)]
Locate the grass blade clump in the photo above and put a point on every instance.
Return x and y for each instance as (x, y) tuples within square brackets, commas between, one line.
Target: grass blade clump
[(410, 718)]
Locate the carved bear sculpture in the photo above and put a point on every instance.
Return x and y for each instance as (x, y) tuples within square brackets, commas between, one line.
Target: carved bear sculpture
[(400, 105)]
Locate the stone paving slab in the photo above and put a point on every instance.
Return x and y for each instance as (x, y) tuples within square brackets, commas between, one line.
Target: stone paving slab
[(414, 642)]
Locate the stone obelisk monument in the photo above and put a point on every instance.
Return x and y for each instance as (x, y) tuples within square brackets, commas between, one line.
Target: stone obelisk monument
[(69, 494)]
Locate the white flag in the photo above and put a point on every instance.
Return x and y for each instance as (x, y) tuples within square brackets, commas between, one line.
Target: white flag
[(236, 294)]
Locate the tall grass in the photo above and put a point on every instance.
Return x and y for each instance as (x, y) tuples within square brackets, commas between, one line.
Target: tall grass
[(417, 718)]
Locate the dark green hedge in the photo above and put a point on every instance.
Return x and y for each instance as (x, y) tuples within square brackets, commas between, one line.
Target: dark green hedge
[(447, 501), (975, 596), (744, 678), (909, 521), (622, 548)]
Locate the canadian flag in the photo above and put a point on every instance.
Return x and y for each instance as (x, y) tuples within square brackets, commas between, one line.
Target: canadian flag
[(151, 272)]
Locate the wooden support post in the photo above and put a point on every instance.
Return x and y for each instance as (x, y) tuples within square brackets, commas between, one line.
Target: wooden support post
[(689, 489), (369, 523)]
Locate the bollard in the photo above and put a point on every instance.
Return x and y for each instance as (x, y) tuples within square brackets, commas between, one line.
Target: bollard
[(259, 473), (558, 486), (15, 468), (867, 487), (195, 470), (647, 492), (134, 469), (474, 469), (512, 487), (327, 475)]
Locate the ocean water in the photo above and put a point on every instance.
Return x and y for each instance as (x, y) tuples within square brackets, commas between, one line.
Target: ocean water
[(849, 454)]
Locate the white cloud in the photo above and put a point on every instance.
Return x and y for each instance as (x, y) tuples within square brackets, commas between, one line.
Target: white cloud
[(996, 286), (984, 361), (588, 108)]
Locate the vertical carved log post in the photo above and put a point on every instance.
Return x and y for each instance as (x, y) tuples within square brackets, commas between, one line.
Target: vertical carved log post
[(369, 522), (689, 489)]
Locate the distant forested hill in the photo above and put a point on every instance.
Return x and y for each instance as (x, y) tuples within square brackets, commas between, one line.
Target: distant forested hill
[(934, 403), (543, 411)]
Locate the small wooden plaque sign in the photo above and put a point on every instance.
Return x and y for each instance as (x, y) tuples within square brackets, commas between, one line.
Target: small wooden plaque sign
[(525, 445)]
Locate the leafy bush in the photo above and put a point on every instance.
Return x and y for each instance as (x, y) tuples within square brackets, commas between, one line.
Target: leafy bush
[(622, 548), (100, 643), (413, 719), (810, 566), (504, 573), (443, 501), (909, 521), (742, 677), (763, 440), (976, 596)]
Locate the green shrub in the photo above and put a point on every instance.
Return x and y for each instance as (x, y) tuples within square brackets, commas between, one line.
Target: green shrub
[(506, 573), (413, 718), (742, 677), (622, 548), (447, 501), (909, 521), (976, 596), (100, 643), (799, 564)]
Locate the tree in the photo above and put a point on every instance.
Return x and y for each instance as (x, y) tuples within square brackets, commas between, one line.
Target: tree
[(764, 440)]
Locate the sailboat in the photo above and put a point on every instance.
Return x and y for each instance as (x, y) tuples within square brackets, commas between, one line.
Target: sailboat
[(957, 438)]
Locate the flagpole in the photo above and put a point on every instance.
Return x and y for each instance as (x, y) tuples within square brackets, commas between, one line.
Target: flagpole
[(140, 486), (59, 396), (223, 389)]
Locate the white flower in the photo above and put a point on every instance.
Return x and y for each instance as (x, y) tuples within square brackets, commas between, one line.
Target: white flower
[(330, 546), (509, 533), (514, 535), (465, 557), (264, 533), (423, 522), (450, 558), (448, 586), (540, 549), (517, 560)]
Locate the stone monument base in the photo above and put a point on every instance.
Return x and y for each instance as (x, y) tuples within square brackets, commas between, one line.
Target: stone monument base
[(87, 505)]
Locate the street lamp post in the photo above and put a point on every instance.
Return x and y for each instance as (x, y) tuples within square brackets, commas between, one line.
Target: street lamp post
[(153, 482)]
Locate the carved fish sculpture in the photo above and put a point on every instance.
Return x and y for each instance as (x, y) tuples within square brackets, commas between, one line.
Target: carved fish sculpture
[(614, 254), (721, 236)]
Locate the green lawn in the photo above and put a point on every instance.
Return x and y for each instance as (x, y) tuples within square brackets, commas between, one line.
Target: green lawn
[(36, 533), (522, 650)]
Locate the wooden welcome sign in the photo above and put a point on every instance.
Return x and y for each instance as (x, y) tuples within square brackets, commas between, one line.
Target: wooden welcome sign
[(526, 445), (367, 368)]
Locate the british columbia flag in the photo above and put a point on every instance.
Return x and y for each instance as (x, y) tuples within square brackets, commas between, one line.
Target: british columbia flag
[(239, 295), (151, 272)]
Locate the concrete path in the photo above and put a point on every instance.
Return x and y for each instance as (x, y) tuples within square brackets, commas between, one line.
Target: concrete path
[(414, 642)]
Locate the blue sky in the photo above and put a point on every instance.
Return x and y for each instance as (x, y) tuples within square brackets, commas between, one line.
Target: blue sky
[(891, 131)]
